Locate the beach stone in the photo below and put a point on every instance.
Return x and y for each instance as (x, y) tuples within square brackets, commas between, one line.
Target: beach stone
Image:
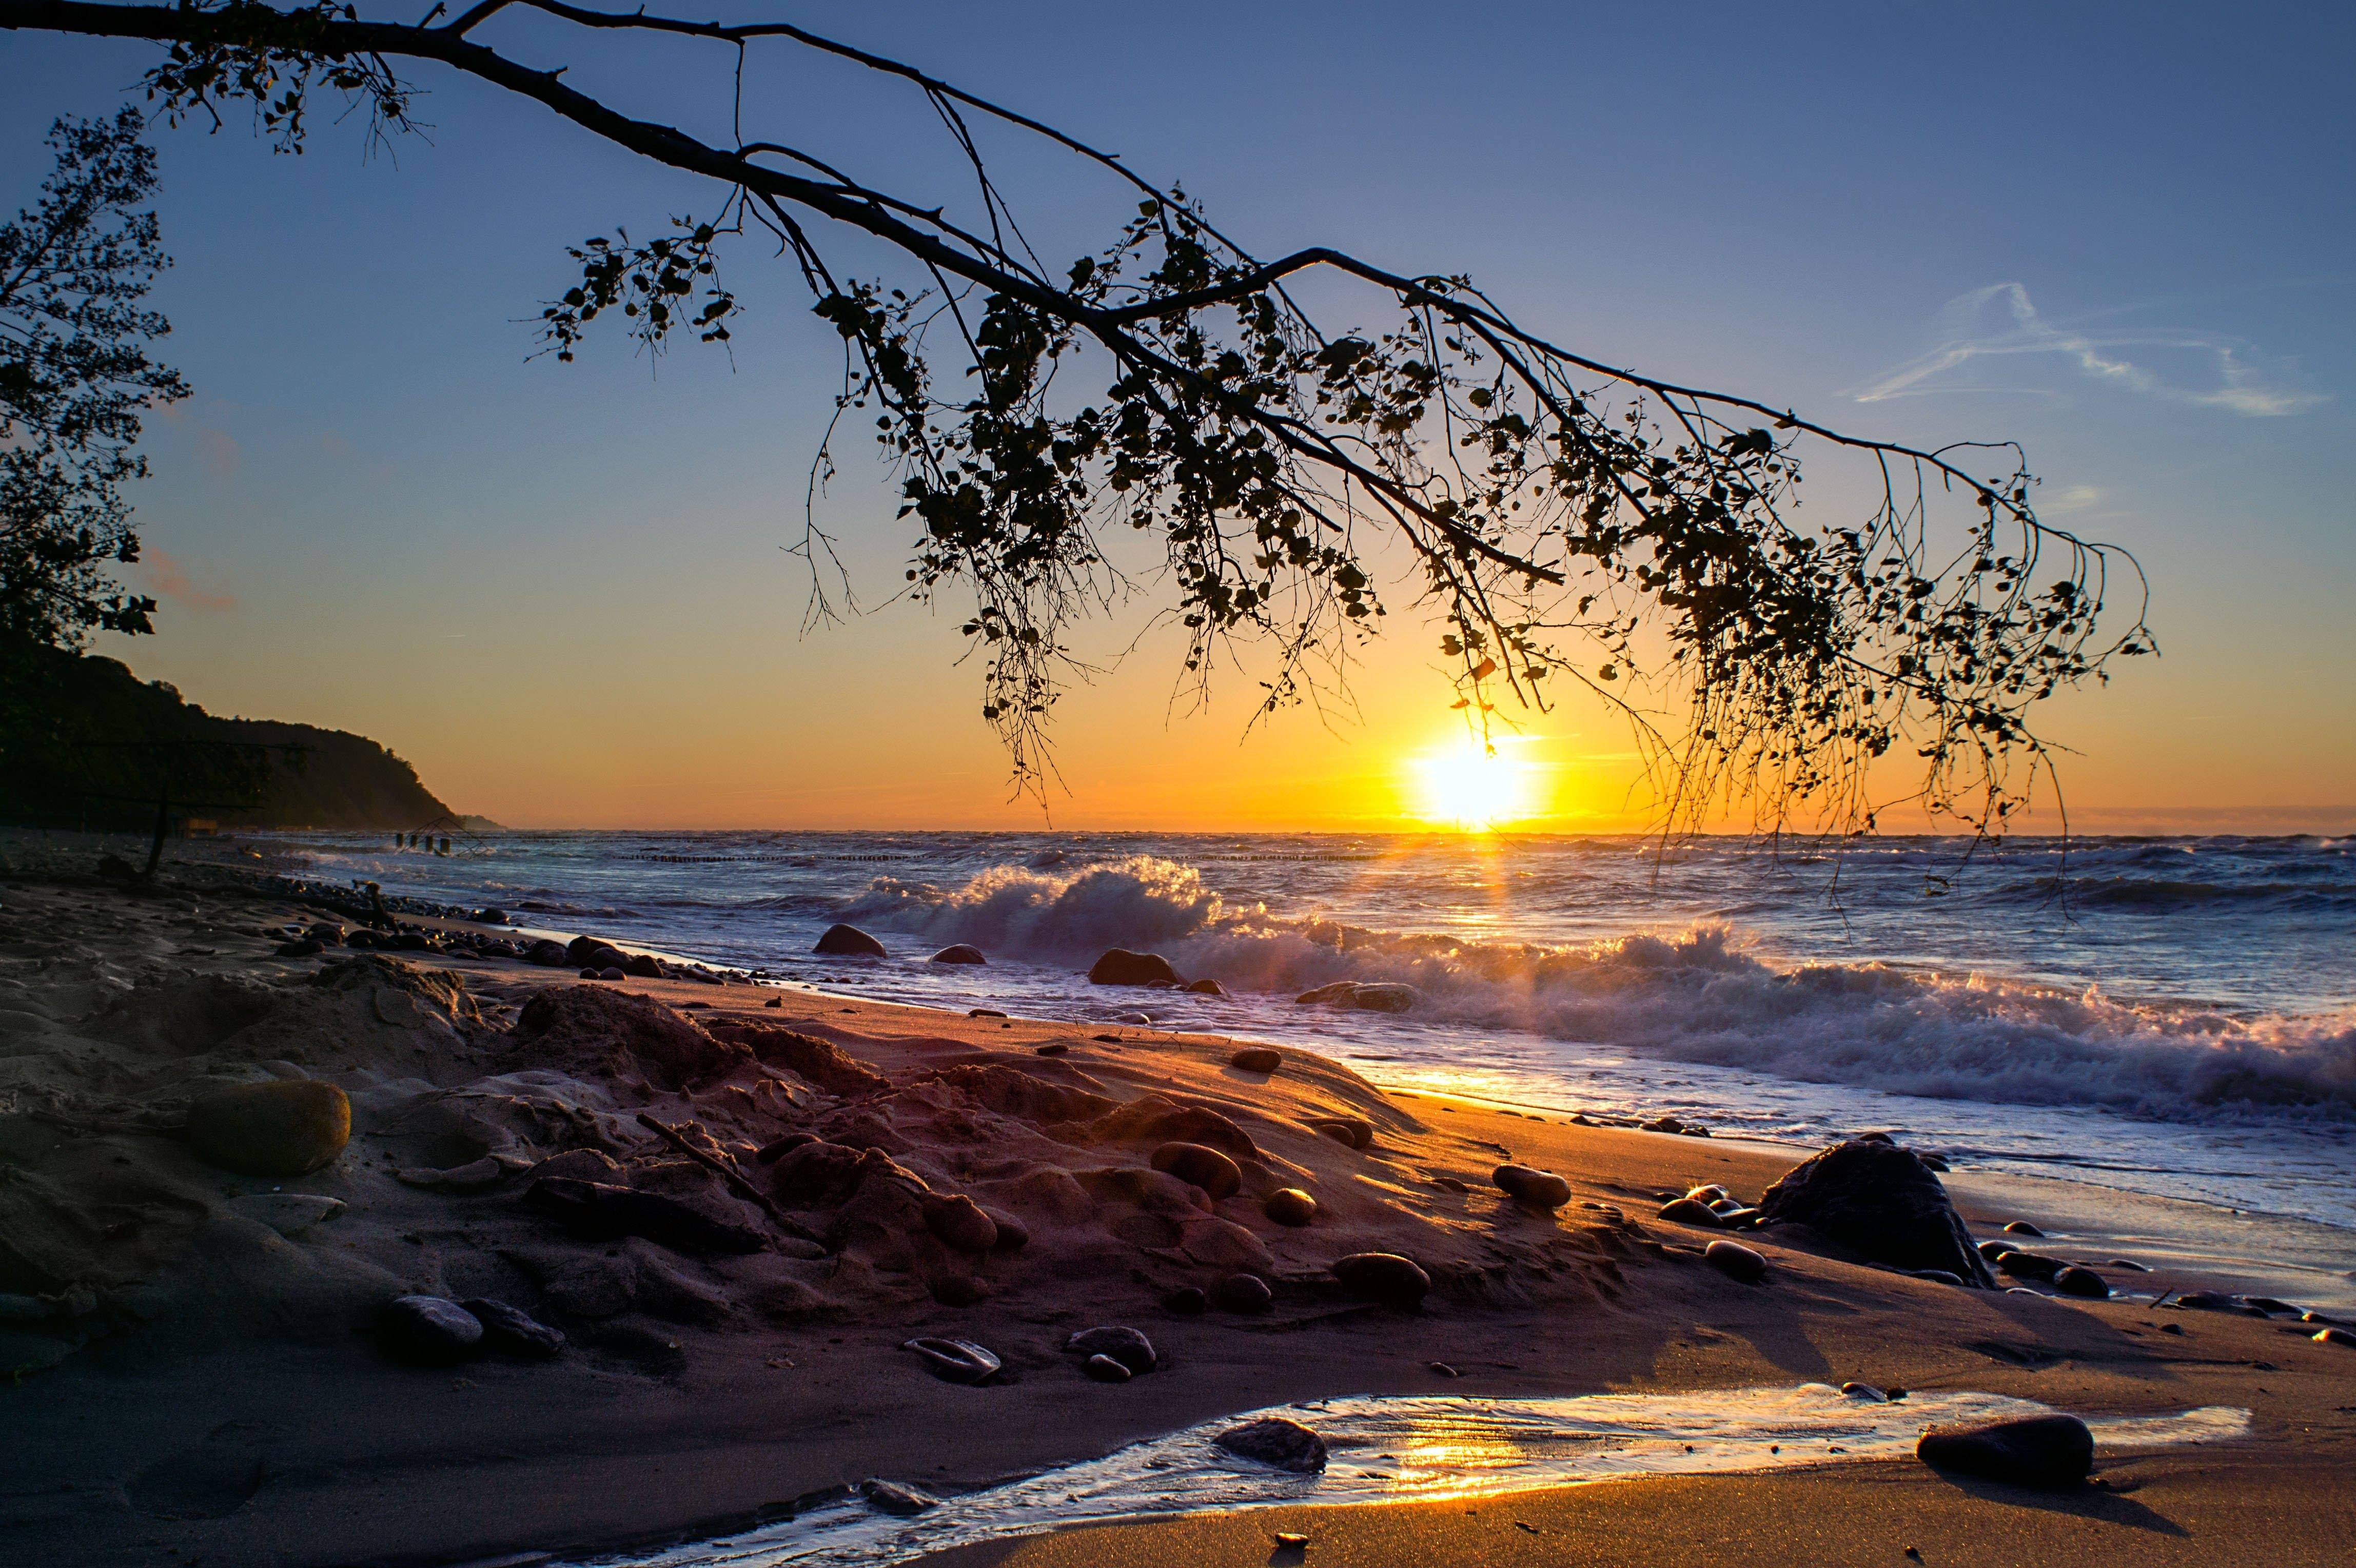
[(1052, 1048), (288, 1213), (1104, 1370), (1290, 1206), (592, 974), (547, 954), (2076, 1281), (1882, 1201), (1274, 1440), (513, 1328), (1222, 1244), (612, 971), (960, 952), (1337, 994), (2032, 1451), (1199, 1163), (1865, 1391), (1256, 1058), (954, 1360), (1013, 1234), (1386, 996), (1525, 1184), (1687, 1212), (1205, 988), (1992, 1251), (430, 1329), (1131, 1349), (1356, 1132), (892, 1497), (1187, 1301), (1712, 1193), (960, 1223), (1661, 1124), (644, 966), (288, 1128), (1385, 1277), (1118, 966), (848, 942), (1246, 1294), (1163, 1120), (2023, 1227), (2029, 1266), (2212, 1301), (1736, 1262)]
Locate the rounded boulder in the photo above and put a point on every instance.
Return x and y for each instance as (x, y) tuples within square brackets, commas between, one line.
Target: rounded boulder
[(1384, 1277), (1525, 1184), (2033, 1451), (1202, 1166), (1290, 1206), (283, 1129), (960, 952), (848, 942)]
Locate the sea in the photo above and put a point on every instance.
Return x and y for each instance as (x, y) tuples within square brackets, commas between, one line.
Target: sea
[(2174, 1017)]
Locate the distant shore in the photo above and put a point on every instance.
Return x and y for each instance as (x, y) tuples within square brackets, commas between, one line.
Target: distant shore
[(218, 1390)]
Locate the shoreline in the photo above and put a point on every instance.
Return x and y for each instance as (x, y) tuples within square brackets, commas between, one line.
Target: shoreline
[(272, 1431)]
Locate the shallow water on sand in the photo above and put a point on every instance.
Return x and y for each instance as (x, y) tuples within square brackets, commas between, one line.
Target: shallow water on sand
[(1409, 1449), (2175, 1017)]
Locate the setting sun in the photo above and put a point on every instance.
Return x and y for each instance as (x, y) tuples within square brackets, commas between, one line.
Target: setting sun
[(1469, 787)]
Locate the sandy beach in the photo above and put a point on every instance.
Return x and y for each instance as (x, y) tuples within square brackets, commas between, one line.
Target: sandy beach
[(203, 1377)]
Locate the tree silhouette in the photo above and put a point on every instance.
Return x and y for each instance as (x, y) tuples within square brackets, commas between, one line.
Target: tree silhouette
[(1567, 520)]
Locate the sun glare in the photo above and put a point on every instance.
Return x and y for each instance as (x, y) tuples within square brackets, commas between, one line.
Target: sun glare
[(1468, 788)]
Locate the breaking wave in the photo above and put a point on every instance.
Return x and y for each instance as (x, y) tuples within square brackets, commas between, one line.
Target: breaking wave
[(1697, 995)]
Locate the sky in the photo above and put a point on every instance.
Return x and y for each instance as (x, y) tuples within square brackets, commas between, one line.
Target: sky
[(2119, 234)]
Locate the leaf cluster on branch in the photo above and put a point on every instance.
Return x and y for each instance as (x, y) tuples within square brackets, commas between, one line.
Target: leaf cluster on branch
[(1566, 522)]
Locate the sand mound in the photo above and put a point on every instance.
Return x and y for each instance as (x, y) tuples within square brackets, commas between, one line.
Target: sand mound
[(589, 1030)]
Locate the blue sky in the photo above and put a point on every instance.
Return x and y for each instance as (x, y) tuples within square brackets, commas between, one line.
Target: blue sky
[(2121, 234)]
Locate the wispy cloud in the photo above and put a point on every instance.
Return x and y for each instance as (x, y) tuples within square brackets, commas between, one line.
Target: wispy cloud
[(169, 578), (1969, 334)]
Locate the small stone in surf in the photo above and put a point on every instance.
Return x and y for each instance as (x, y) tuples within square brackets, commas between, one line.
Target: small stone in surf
[(1524, 1184), (848, 942), (960, 952), (1118, 966), (1290, 1206), (1205, 988), (1243, 1293), (1273, 1440), (1256, 1058)]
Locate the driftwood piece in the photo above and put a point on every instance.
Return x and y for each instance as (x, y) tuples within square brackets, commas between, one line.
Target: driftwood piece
[(735, 1179)]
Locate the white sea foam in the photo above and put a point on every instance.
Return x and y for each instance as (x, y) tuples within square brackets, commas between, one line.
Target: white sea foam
[(1697, 995)]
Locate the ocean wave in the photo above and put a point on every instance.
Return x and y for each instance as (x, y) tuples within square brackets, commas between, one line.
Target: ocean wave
[(1700, 995), (2163, 895)]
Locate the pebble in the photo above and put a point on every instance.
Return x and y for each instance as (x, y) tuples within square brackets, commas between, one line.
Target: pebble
[(1524, 1184), (983, 1012), (1736, 1262), (1385, 1277), (1687, 1211), (960, 1223), (1290, 1206), (287, 1128), (2032, 1451), (1104, 1370), (1052, 1048), (1351, 1129), (2075, 1280), (513, 1328), (1256, 1058), (2029, 1266), (429, 1328), (2023, 1227), (1242, 1293), (1127, 1347), (892, 1497), (2175, 1328), (1205, 988), (1274, 1440), (1713, 1193), (1203, 1166), (848, 942), (954, 1360), (1187, 1301)]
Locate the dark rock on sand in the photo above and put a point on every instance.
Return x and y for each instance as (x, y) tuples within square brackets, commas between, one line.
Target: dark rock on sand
[(612, 971), (2076, 1281), (1205, 988), (2029, 1266), (2023, 1227), (848, 942), (960, 1223), (1992, 1251), (596, 1209), (547, 954), (1525, 1184), (1187, 1301), (1882, 1201), (429, 1329), (282, 1129), (1052, 1048), (1356, 1132), (1104, 1370), (645, 966), (513, 1329), (1662, 1125), (1290, 1206), (1736, 1262), (1013, 1234), (1689, 1212), (892, 1497), (1247, 1293), (1131, 1349), (1256, 1058), (2033, 1451), (1120, 967), (960, 952), (1384, 1277), (954, 1360), (1203, 1166), (1273, 1440)]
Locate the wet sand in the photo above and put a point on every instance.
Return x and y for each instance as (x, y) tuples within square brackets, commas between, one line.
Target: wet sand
[(249, 1418)]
